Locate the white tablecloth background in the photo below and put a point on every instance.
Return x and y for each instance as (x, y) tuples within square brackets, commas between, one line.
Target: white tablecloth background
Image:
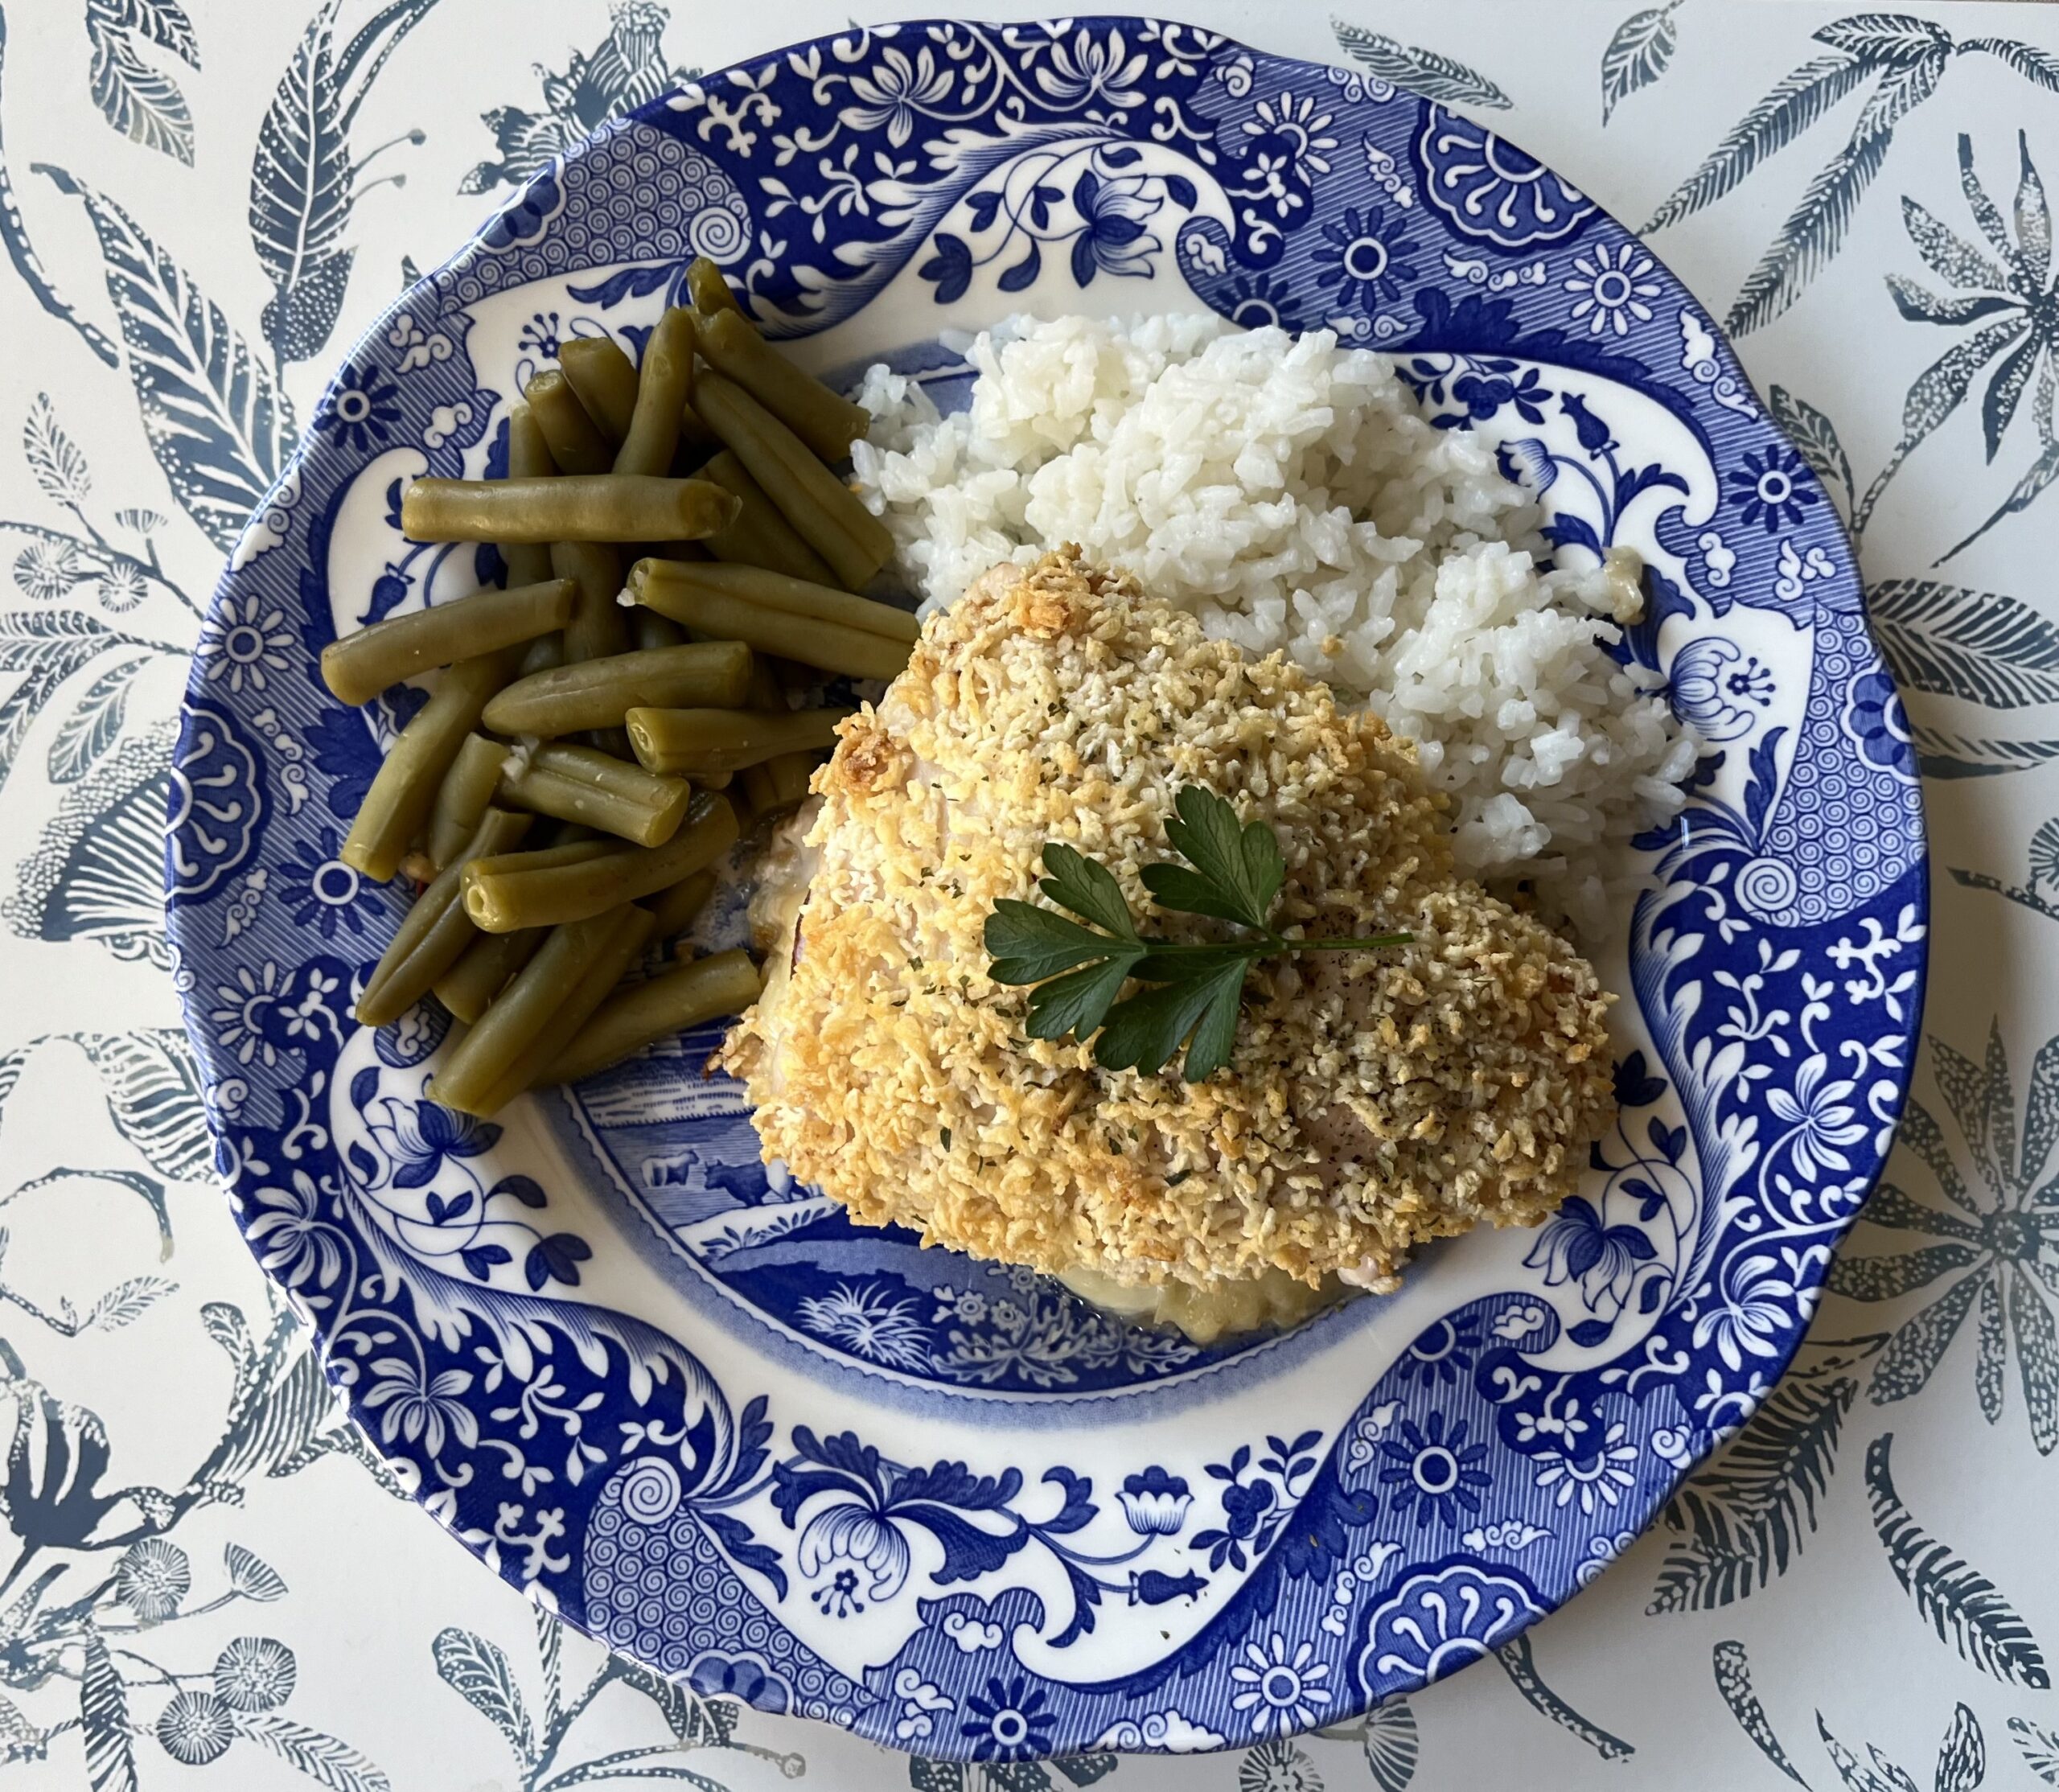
[(361, 1592)]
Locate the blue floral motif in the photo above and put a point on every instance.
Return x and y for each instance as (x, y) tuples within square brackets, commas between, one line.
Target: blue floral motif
[(722, 1676), (1435, 1474), (1443, 1353), (1009, 1721), (1576, 1247), (1259, 299), (1114, 239), (1369, 260), (1490, 191), (319, 890), (1437, 1622), (360, 409), (217, 804), (856, 1545), (1877, 721), (1720, 689), (417, 1136), (1254, 1509), (1776, 491), (1155, 1502)]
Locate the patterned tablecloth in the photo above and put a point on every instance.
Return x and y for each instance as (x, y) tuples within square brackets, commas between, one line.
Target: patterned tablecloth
[(206, 1570)]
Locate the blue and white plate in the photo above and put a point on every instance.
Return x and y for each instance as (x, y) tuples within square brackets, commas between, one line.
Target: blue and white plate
[(682, 1400)]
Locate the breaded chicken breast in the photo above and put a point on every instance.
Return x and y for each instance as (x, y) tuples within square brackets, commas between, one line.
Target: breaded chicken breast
[(1373, 1100)]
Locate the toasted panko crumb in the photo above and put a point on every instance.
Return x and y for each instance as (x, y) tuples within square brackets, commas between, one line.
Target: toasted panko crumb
[(1373, 1100)]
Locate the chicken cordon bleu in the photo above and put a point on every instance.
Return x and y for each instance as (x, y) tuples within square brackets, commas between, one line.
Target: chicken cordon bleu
[(1372, 1100)]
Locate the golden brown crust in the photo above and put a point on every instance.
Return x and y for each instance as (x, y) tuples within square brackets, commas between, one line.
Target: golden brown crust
[(1373, 1100)]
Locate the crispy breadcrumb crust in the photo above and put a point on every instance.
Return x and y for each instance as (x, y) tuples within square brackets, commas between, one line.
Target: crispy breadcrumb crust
[(1373, 1100)]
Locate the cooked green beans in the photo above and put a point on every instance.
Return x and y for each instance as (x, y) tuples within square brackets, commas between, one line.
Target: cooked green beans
[(826, 421), (489, 962), (598, 694), (605, 379), (577, 445), (673, 588), (521, 891), (361, 665), (676, 908), (525, 1010), (434, 933), (822, 508), (462, 797), (820, 603), (598, 626), (727, 983), (593, 507), (760, 535), (780, 784), (528, 458), (664, 383), (651, 631), (682, 741), (706, 287), (544, 652), (579, 783), (581, 1002), (404, 788)]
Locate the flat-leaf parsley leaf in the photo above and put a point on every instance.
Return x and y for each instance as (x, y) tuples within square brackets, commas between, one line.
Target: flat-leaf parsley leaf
[(1078, 971)]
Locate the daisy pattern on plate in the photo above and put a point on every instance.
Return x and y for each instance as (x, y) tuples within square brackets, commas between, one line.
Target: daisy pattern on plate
[(1598, 1479), (1613, 287), (1280, 1685), (246, 641)]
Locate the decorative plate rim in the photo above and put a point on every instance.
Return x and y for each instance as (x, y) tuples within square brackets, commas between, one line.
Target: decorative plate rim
[(876, 1704)]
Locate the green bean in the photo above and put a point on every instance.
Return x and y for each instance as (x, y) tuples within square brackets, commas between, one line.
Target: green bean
[(696, 442), (547, 858), (676, 908), (706, 287), (597, 627), (598, 694), (673, 589), (581, 1004), (727, 983), (664, 383), (361, 665), (579, 783), (780, 784), (820, 603), (576, 444), (677, 741), (760, 535), (524, 1011), (436, 931), (593, 507), (528, 458), (506, 897), (405, 787), (471, 985), (653, 632), (822, 508), (826, 421), (713, 780), (605, 379), (544, 652), (462, 797)]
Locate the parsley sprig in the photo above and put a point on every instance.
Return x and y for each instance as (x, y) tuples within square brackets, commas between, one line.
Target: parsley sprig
[(1078, 971)]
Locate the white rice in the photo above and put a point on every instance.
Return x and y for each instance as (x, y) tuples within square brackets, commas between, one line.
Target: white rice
[(1291, 494)]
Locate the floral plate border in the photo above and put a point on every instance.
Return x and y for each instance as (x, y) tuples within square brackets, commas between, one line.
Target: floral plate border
[(709, 1510)]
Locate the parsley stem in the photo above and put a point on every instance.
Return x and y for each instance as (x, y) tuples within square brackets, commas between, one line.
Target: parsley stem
[(1378, 943), (1265, 945)]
